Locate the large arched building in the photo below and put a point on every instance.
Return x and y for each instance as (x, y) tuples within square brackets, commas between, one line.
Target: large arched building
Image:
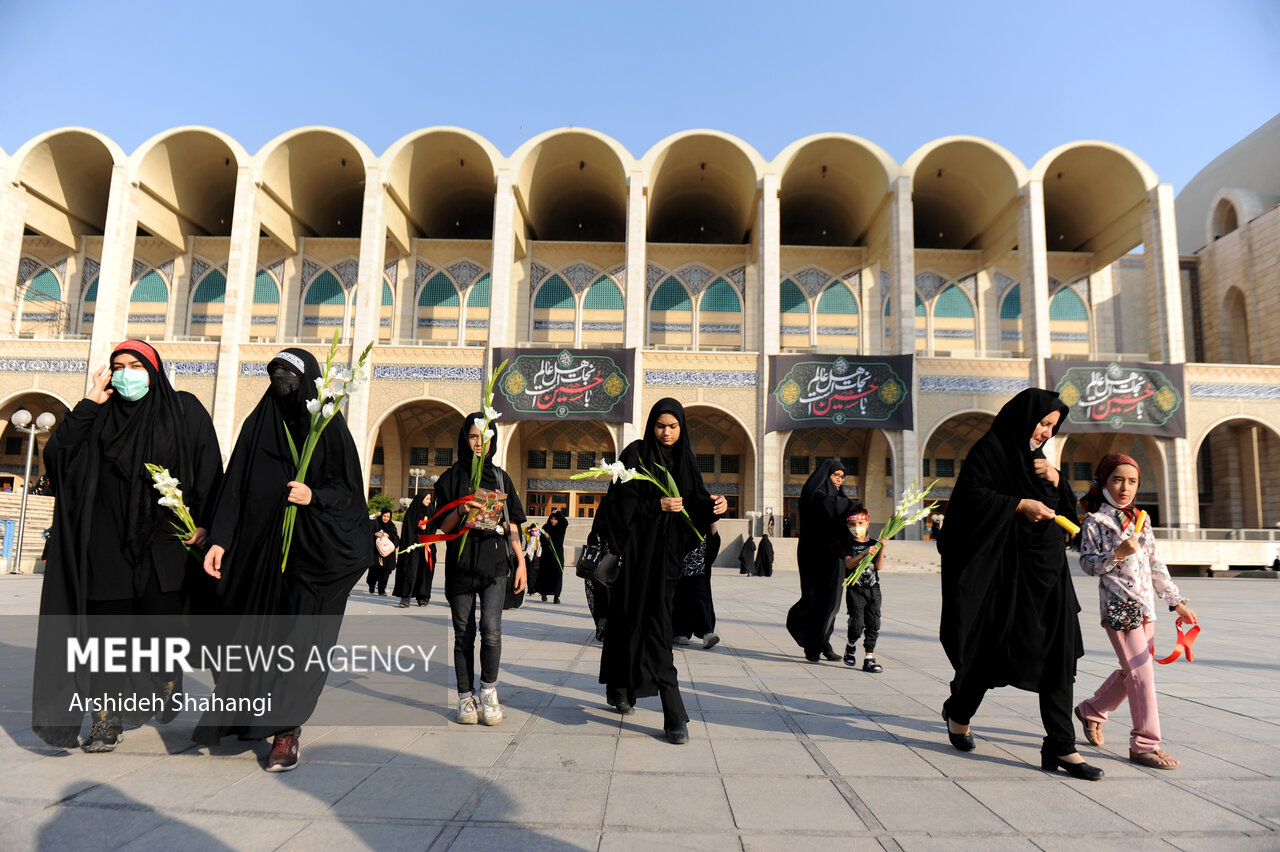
[(703, 262)]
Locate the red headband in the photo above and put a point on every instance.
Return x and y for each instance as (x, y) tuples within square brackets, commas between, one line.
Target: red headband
[(143, 349)]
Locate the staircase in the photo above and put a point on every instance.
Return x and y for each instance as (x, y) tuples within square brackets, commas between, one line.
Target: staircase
[(39, 518)]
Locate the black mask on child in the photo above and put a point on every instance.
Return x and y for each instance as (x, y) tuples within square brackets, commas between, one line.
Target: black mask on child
[(284, 382)]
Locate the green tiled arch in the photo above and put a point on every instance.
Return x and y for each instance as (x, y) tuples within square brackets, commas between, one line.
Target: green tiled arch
[(479, 295), (150, 288), (604, 295), (720, 297), (793, 300), (837, 299), (1066, 305), (671, 296), (212, 290), (1011, 306), (44, 288), (326, 289), (554, 294), (952, 303), (438, 292), (265, 291)]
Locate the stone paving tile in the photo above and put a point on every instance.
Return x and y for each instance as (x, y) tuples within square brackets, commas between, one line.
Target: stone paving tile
[(69, 827), (309, 793), (565, 751), (472, 747), (841, 727), (1021, 803), (1258, 797), (769, 758), (912, 843), (545, 797), (876, 759), (1219, 842), (197, 831), (1165, 808), (619, 840), (670, 801), (385, 837), (900, 805), (167, 784), (389, 792), (790, 804), (655, 754), (475, 837)]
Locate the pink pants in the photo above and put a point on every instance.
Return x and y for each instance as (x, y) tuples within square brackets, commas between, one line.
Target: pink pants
[(1135, 680)]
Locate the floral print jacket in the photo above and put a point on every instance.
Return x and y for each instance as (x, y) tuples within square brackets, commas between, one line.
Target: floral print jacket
[(1138, 577)]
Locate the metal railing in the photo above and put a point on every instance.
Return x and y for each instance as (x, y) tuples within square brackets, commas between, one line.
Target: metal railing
[(1216, 534)]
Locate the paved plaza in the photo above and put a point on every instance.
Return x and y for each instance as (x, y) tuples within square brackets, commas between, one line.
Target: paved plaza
[(783, 753)]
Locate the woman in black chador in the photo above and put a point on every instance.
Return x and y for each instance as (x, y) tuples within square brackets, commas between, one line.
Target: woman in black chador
[(380, 570), (112, 555), (653, 539), (477, 573), (823, 508), (416, 569), (550, 574), (1009, 612), (301, 606)]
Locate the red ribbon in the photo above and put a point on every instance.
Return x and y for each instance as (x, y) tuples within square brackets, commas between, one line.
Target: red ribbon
[(434, 537), (1184, 643)]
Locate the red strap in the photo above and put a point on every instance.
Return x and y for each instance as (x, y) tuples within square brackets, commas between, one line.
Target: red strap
[(1184, 643), (449, 507)]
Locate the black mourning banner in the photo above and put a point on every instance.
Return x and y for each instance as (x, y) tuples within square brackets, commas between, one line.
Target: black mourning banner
[(565, 384), (1118, 396), (814, 391)]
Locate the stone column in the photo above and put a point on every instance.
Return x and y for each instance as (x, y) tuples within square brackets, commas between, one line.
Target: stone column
[(769, 333), (115, 279), (637, 297), (237, 309), (987, 323), (902, 260), (1102, 306), (1247, 439), (869, 313), (1035, 281), (175, 320), (13, 209), (373, 255), (504, 300)]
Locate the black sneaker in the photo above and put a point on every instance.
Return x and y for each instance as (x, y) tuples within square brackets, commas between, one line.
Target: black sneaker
[(869, 664), (104, 736), (849, 659)]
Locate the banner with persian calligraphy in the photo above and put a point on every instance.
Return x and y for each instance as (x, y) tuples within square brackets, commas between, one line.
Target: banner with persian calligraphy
[(565, 384), (815, 391), (1116, 396)]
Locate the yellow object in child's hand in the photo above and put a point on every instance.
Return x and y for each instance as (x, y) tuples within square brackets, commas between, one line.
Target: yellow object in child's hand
[(1142, 523), (1066, 524)]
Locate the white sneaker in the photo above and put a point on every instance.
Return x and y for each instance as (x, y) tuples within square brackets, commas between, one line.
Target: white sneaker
[(467, 710), (682, 640), (710, 640), (491, 711)]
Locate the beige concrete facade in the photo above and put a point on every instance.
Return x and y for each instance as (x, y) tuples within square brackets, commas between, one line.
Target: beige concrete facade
[(701, 254)]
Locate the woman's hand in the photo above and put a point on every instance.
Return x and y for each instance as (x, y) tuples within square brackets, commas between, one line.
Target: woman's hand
[(1127, 548), (1034, 510), (1047, 472), (100, 390), (1186, 612), (521, 581), (213, 562), (299, 494), (198, 539), (719, 505), (672, 504)]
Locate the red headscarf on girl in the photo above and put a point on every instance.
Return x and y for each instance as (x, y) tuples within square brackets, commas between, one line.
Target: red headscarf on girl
[(143, 349), (1094, 498)]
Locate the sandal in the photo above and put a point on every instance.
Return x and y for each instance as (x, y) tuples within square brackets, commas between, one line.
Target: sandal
[(1153, 759), (1092, 730)]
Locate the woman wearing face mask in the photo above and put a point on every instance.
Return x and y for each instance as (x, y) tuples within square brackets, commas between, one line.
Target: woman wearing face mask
[(823, 508), (654, 540), (301, 606), (1009, 611), (112, 555), (476, 572)]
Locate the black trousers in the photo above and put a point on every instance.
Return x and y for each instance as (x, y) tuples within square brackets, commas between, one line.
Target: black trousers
[(154, 614), (863, 604), (1055, 713)]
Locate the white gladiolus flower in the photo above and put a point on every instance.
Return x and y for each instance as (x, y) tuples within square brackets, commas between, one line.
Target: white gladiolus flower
[(480, 424), (490, 414), (328, 410), (488, 433), (313, 405)]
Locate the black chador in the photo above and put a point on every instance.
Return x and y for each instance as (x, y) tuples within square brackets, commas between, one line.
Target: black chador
[(415, 570), (636, 659), (301, 606), (550, 579), (112, 552), (822, 512)]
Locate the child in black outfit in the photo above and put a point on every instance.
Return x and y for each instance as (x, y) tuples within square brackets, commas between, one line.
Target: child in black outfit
[(862, 599)]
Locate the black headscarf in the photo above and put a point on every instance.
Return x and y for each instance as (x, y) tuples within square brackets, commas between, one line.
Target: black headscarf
[(1008, 607), (679, 457), (819, 483), (488, 478), (823, 508)]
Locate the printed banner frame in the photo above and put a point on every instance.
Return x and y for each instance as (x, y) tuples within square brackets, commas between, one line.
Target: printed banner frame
[(844, 391), (562, 383), (1115, 396)]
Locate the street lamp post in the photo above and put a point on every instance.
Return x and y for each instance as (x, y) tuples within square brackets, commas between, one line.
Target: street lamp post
[(415, 473), (21, 420)]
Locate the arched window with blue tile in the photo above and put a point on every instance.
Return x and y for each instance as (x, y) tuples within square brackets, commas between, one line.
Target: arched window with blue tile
[(439, 310), (324, 307), (1011, 320), (266, 305), (603, 312), (670, 314), (1068, 324), (478, 297), (793, 311), (954, 322), (42, 308), (720, 316), (837, 316), (88, 307), (554, 311), (386, 316), (208, 303), (148, 306)]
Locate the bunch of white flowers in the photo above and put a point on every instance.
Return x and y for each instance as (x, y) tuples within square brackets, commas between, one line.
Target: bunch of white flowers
[(171, 498)]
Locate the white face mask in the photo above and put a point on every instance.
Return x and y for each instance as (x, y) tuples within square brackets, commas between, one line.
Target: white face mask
[(1034, 446)]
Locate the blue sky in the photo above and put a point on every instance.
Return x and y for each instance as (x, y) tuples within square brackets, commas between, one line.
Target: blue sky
[(1177, 82)]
